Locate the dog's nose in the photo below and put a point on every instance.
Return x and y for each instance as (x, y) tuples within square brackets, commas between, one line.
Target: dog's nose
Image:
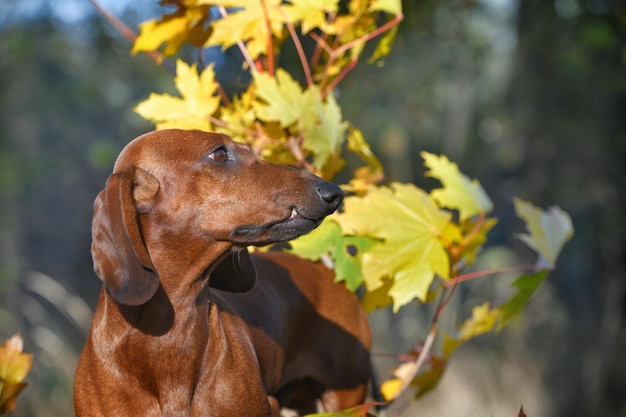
[(331, 194)]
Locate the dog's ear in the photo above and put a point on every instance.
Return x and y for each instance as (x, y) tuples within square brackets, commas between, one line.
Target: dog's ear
[(120, 256), (236, 273)]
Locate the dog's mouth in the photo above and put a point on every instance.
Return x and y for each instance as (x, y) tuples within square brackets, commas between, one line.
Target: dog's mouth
[(283, 230)]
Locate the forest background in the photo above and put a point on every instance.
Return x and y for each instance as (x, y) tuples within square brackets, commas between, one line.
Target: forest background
[(527, 96)]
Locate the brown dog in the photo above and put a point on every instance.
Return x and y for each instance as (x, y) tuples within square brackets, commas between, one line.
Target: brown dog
[(188, 323)]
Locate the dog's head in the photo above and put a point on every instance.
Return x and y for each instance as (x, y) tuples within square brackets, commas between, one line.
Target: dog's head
[(178, 202)]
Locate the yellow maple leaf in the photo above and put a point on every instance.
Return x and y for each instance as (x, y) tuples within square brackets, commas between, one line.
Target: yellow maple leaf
[(390, 6), (186, 24), (324, 129), (483, 320), (191, 111), (281, 98), (458, 192), (311, 13), (409, 224), (14, 366), (248, 23)]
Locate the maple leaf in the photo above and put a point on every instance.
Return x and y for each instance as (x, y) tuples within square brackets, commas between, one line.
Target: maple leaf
[(14, 366), (483, 320), (390, 6), (526, 286), (324, 133), (373, 171), (186, 24), (410, 225), (458, 192), (311, 13), (282, 98), (547, 230), (192, 110), (346, 251), (247, 24)]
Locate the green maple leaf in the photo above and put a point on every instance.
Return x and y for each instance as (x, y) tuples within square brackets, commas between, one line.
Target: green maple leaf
[(325, 131), (346, 251), (191, 111), (282, 98), (317, 242), (547, 230), (526, 286), (311, 13), (247, 24), (409, 223), (458, 192)]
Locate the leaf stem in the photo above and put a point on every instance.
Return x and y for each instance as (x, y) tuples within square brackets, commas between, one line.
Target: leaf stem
[(270, 45), (344, 71), (240, 44), (479, 274), (301, 54), (365, 38), (128, 33)]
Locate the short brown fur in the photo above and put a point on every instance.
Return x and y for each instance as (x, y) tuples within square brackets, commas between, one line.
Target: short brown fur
[(188, 323)]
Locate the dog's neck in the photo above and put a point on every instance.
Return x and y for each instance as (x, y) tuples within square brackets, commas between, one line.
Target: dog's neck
[(172, 331)]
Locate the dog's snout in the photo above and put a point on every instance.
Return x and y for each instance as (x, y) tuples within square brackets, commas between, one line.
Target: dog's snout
[(331, 194)]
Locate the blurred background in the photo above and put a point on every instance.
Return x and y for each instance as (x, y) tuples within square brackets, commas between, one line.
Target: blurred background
[(528, 96)]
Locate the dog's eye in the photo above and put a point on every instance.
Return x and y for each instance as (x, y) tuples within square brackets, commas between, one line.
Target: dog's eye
[(219, 155)]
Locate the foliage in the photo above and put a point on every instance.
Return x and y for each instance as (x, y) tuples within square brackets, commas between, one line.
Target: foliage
[(14, 365), (398, 241)]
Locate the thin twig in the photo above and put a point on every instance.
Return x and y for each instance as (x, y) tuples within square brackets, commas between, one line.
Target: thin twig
[(125, 31), (344, 71), (479, 274), (365, 38), (301, 54), (270, 45)]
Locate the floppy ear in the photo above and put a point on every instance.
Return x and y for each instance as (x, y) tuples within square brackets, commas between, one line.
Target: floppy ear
[(236, 273), (120, 256)]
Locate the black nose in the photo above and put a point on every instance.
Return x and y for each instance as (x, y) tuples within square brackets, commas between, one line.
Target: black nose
[(331, 194)]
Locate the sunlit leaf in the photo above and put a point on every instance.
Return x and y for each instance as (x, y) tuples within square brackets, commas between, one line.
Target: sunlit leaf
[(199, 101), (373, 171), (317, 242), (390, 6), (346, 251), (402, 374), (483, 320), (282, 98), (547, 230), (410, 224), (247, 23), (184, 25), (458, 192), (391, 388), (311, 13), (14, 366), (325, 132), (348, 256)]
